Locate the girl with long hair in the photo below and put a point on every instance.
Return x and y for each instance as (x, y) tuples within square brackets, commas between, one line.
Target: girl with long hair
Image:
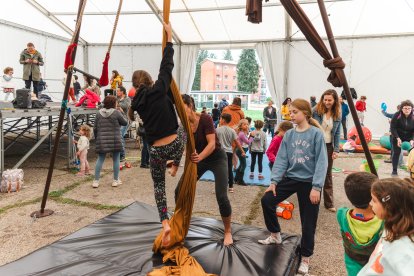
[(210, 156), (393, 202), (155, 105), (300, 168)]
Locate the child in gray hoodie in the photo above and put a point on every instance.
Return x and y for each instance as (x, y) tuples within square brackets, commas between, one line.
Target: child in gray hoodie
[(258, 148)]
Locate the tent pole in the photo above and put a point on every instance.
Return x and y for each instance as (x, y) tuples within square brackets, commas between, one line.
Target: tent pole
[(43, 212), (335, 53)]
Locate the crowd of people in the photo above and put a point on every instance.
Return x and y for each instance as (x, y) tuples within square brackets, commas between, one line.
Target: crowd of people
[(301, 154)]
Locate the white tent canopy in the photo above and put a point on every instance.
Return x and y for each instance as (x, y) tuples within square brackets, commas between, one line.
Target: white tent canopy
[(375, 39)]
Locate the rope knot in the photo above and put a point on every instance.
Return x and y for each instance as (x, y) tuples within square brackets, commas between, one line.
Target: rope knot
[(336, 77)]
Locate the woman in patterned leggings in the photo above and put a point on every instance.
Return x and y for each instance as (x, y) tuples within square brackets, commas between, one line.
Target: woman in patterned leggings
[(155, 106)]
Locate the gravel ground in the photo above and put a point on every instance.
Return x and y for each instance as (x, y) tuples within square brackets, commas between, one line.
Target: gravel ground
[(21, 235)]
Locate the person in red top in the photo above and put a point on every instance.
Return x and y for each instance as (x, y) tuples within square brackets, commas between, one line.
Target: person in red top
[(361, 107), (276, 141)]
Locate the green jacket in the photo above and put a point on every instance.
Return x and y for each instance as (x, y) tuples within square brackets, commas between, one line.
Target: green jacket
[(31, 68)]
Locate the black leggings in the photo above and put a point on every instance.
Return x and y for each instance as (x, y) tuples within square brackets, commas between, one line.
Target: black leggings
[(217, 164), (259, 162)]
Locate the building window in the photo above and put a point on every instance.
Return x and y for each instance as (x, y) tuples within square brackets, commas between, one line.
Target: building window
[(218, 77), (263, 83), (217, 86), (218, 67), (234, 68), (234, 77), (234, 87), (226, 87), (225, 67), (226, 77)]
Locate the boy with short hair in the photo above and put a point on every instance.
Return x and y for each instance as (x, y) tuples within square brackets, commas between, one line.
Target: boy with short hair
[(227, 136), (360, 228)]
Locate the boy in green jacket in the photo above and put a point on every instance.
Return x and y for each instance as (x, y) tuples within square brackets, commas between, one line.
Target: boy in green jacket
[(360, 228)]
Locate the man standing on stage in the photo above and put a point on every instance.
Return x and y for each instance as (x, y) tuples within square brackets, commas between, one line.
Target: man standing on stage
[(31, 60)]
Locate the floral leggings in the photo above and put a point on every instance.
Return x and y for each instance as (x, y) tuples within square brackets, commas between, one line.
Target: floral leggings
[(158, 163)]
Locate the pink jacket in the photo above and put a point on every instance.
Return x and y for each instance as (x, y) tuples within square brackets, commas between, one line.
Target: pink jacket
[(274, 148), (91, 98)]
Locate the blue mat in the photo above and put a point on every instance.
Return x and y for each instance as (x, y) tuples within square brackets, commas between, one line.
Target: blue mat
[(208, 176)]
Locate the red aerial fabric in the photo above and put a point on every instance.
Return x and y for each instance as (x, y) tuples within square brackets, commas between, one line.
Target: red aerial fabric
[(336, 77), (68, 56), (104, 80)]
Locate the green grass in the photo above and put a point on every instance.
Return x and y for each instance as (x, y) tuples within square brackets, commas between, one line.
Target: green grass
[(254, 114)]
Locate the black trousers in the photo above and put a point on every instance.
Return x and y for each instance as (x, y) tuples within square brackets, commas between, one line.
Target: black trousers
[(217, 164), (259, 156), (308, 211), (343, 122), (28, 84), (230, 168)]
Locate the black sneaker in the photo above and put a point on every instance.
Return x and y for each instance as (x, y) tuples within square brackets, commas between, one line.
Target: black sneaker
[(394, 174), (388, 161), (144, 166), (123, 159)]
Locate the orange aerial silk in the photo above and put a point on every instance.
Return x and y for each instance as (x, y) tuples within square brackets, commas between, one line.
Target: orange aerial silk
[(180, 221)]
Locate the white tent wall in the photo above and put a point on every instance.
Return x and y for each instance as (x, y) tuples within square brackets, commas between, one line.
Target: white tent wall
[(51, 47), (127, 59), (376, 67)]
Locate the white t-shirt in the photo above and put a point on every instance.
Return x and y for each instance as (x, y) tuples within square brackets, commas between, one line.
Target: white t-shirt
[(226, 137), (83, 143), (327, 126)]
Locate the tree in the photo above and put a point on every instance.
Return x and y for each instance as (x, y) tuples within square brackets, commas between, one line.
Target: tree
[(202, 55), (247, 71), (212, 55), (227, 55)]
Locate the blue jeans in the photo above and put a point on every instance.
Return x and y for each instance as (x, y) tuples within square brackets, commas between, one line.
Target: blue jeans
[(101, 159), (123, 132)]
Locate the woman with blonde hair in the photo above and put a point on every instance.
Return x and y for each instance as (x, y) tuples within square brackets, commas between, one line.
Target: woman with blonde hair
[(328, 114), (300, 168)]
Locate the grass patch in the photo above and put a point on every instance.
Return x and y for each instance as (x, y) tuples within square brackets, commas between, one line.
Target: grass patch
[(254, 114), (96, 206), (61, 192), (254, 207), (20, 204)]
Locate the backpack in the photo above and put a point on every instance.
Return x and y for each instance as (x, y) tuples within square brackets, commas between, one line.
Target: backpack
[(222, 105)]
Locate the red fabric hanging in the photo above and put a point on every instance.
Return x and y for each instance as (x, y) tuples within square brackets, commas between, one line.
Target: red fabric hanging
[(68, 56), (104, 80)]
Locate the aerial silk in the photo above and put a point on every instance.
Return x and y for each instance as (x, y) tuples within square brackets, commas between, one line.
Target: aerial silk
[(180, 221), (104, 79)]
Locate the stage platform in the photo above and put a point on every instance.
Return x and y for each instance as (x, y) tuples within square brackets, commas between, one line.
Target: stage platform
[(35, 125), (121, 244)]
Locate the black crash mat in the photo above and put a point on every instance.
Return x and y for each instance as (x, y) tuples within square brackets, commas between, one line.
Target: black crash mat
[(120, 244)]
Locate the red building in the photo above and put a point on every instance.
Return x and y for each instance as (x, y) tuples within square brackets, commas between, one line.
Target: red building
[(221, 75)]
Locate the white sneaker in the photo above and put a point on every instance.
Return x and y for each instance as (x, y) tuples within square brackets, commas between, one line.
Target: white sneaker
[(304, 266), (116, 183), (95, 183), (272, 240)]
